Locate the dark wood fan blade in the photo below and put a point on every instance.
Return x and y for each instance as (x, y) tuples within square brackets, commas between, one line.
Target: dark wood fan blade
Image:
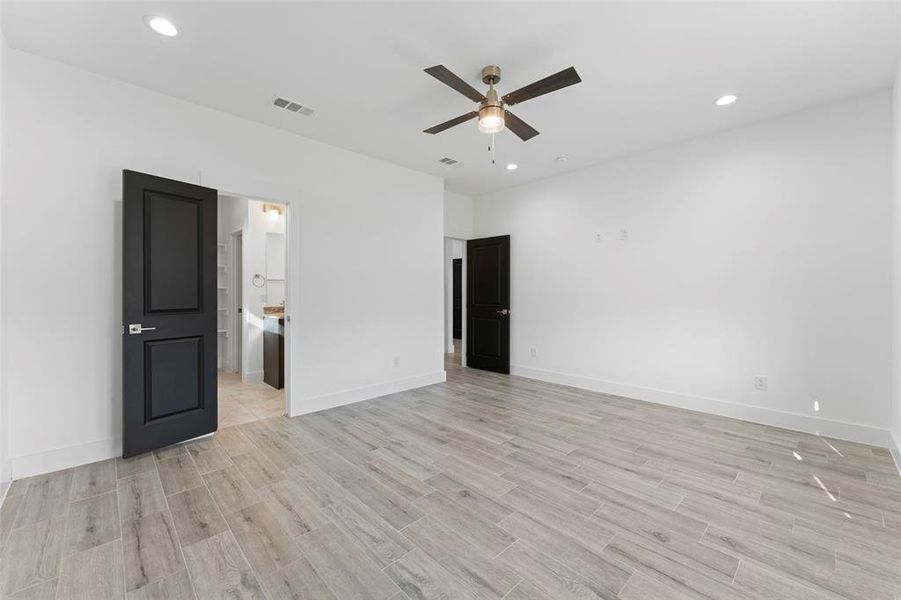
[(552, 83), (451, 123), (523, 130), (444, 75)]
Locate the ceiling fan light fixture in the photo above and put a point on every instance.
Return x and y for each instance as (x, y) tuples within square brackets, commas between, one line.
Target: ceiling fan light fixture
[(491, 119)]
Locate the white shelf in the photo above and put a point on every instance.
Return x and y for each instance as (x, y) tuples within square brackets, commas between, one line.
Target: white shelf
[(222, 274)]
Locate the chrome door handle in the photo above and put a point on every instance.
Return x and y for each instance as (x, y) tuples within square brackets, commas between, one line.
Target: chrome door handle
[(503, 312), (135, 328)]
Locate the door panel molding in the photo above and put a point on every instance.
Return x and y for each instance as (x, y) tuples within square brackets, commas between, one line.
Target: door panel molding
[(164, 396), (167, 236)]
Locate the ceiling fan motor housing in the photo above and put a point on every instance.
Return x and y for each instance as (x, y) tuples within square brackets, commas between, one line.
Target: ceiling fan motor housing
[(491, 75)]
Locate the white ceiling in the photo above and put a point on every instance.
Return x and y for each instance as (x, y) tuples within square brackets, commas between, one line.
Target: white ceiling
[(649, 70)]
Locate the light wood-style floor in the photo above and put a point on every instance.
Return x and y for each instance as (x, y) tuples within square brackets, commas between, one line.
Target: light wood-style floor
[(485, 487), (241, 402)]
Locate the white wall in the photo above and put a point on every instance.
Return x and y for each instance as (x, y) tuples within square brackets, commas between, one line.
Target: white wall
[(350, 316), (458, 215), (5, 470), (765, 250), (896, 272), (458, 224)]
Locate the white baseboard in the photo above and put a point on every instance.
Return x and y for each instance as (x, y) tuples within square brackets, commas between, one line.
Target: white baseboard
[(4, 488), (325, 401), (853, 432), (252, 377), (895, 447), (450, 349), (82, 454), (63, 458)]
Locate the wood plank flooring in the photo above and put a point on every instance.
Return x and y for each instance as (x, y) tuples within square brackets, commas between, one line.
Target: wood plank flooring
[(487, 487)]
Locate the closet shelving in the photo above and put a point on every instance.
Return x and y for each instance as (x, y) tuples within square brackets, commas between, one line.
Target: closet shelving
[(222, 312)]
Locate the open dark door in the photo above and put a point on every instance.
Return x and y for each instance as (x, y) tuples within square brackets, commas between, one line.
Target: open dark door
[(458, 298), (168, 311), (488, 304)]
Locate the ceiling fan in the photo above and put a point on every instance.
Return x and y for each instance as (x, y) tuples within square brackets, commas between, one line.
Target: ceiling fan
[(492, 112)]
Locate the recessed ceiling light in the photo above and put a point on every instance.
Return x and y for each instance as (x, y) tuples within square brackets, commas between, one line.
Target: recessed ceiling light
[(512, 167), (161, 25), (725, 100), (562, 158)]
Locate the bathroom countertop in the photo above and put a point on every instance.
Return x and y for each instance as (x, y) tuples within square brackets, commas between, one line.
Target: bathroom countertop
[(275, 312)]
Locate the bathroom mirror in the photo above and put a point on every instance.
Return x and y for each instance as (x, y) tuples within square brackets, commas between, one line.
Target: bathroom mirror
[(275, 268)]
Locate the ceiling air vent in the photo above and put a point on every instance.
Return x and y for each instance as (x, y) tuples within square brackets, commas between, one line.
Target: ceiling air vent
[(292, 106), (449, 161)]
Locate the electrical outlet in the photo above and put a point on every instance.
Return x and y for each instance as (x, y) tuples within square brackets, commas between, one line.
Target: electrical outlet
[(396, 362), (760, 383), (533, 352), (623, 235), (597, 238)]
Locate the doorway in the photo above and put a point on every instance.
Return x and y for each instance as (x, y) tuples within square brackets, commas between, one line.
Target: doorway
[(477, 303), (253, 274), (488, 303), (181, 376), (454, 302)]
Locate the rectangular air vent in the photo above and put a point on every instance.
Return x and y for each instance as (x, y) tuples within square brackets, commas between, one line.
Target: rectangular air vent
[(292, 106), (449, 161)]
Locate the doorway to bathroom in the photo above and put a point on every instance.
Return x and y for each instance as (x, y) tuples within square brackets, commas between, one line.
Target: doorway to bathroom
[(252, 246)]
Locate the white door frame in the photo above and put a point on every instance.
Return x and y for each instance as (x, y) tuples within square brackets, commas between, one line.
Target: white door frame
[(237, 317), (449, 298)]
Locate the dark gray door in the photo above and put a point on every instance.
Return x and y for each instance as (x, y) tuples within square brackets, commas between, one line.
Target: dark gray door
[(458, 298), (169, 312), (488, 304)]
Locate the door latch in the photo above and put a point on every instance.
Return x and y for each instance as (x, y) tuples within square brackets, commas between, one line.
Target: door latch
[(135, 328)]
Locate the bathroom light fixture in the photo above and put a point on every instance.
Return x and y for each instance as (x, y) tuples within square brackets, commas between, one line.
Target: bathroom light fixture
[(725, 100), (512, 167), (161, 25), (272, 211)]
